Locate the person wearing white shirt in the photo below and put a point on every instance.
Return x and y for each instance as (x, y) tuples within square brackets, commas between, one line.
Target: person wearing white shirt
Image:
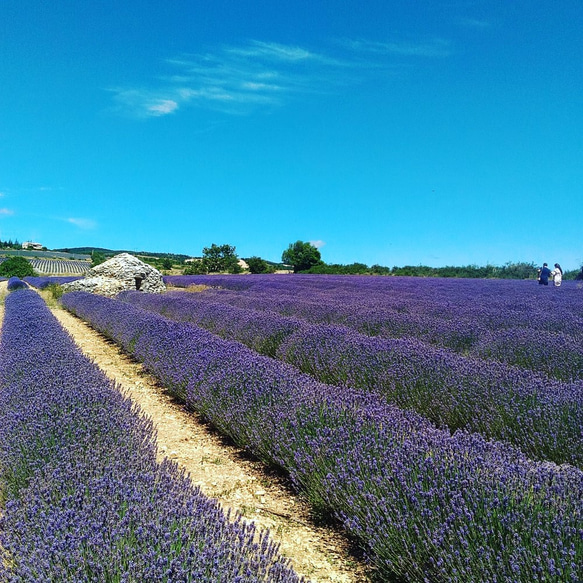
[(557, 274)]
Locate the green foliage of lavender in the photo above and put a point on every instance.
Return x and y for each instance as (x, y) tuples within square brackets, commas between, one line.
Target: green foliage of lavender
[(543, 417), (425, 504), (84, 497)]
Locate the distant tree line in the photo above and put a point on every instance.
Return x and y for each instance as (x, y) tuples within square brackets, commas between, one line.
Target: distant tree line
[(107, 253), (303, 257), (10, 244), (520, 270)]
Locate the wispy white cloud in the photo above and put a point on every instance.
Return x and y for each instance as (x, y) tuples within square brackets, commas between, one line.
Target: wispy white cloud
[(82, 223), (234, 79), (318, 244), (145, 102), (429, 49), (6, 212), (258, 74), (273, 51), (162, 107), (474, 22)]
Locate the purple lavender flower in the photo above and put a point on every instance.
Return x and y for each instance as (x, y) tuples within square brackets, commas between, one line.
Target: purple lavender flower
[(15, 283), (44, 281), (85, 498), (543, 417), (425, 505)]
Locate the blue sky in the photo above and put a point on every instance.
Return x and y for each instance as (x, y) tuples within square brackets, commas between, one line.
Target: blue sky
[(390, 132)]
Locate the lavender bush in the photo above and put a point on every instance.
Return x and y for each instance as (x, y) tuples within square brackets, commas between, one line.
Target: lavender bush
[(44, 281), (15, 283), (543, 418), (84, 498), (262, 331), (555, 354), (425, 504)]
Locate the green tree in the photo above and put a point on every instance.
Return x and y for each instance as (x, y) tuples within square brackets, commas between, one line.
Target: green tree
[(301, 256), (377, 269), (574, 273), (16, 267), (195, 268), (166, 263), (258, 265), (518, 270), (97, 257), (220, 259)]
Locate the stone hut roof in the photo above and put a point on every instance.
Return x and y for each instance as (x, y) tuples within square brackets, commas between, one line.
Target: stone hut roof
[(121, 272)]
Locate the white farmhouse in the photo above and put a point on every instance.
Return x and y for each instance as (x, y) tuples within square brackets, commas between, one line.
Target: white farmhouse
[(32, 245)]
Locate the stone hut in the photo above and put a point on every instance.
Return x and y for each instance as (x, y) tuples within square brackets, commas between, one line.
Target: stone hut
[(120, 273)]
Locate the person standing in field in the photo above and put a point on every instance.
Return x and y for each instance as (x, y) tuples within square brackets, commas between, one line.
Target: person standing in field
[(543, 274), (557, 274)]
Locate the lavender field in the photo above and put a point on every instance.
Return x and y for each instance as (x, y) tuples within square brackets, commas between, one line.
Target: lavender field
[(439, 421), (83, 496), (515, 383)]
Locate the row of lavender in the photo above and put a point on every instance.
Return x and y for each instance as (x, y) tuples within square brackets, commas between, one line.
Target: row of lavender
[(425, 504), (15, 283), (84, 497), (42, 282), (543, 417), (484, 300), (514, 322)]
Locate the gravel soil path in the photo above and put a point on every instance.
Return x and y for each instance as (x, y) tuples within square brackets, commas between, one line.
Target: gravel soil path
[(222, 470)]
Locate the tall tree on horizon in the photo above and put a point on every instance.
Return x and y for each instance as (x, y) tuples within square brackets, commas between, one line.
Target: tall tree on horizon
[(221, 258), (301, 256)]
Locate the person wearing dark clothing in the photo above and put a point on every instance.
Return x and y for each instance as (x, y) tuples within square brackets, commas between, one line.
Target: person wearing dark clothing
[(544, 274)]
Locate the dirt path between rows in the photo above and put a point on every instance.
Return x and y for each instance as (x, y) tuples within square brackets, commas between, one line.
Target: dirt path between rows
[(220, 469)]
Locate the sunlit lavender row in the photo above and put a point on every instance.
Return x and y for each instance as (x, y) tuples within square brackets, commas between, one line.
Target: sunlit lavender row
[(84, 498), (514, 322), (43, 282), (426, 505), (543, 417), (15, 283)]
